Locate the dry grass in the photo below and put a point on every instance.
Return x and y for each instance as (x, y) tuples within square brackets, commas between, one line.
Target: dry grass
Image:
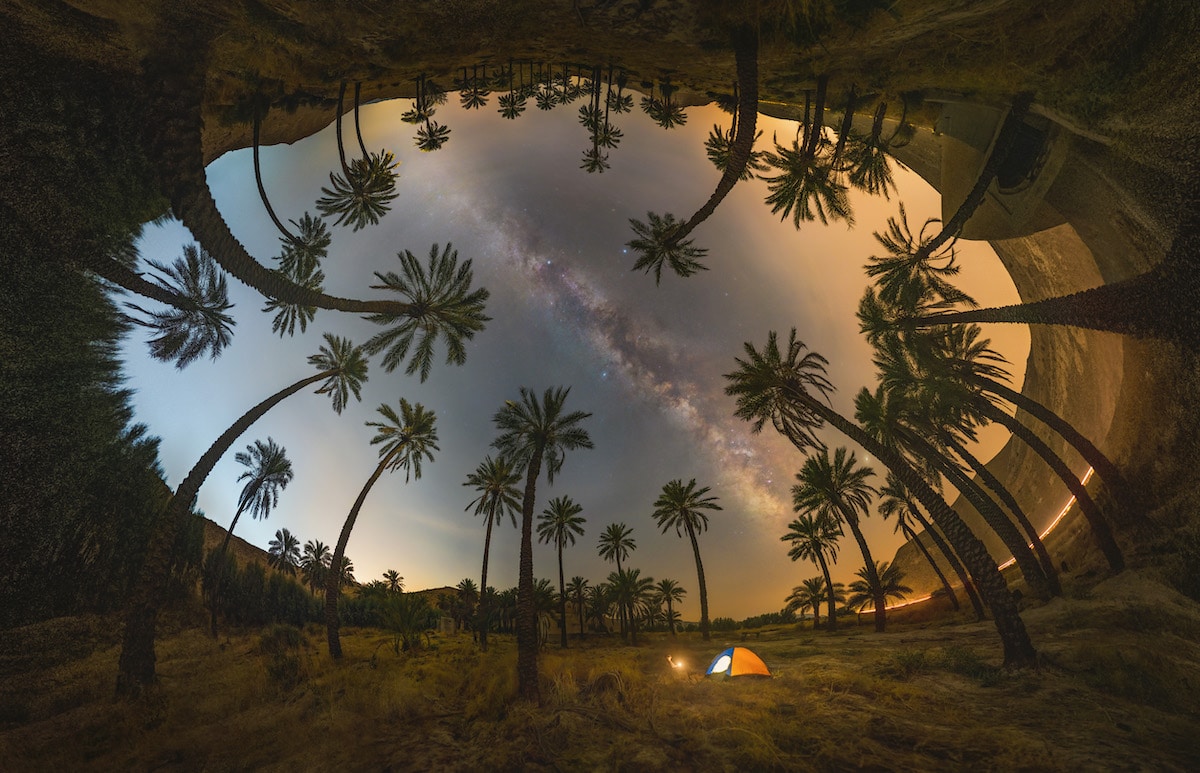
[(1114, 693)]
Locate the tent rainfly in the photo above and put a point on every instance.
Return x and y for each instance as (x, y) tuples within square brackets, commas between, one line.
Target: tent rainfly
[(737, 661)]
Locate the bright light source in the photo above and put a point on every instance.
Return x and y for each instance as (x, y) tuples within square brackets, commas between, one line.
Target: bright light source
[(674, 663)]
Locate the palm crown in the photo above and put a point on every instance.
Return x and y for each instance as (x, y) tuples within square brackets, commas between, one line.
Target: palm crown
[(441, 304), (268, 472), (405, 438), (532, 427), (616, 542), (560, 522), (656, 246), (363, 193), (347, 369), (834, 488), (496, 481), (682, 507)]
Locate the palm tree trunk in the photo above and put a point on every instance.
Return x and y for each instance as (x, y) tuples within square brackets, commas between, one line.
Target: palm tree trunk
[(562, 599), (1018, 649), (670, 617), (117, 273), (216, 588), (831, 624), (847, 122), (1114, 481), (746, 51), (1004, 142), (175, 139), (704, 627), (818, 122), (1100, 528), (1009, 501), (872, 572), (955, 564), (484, 601), (579, 604), (992, 515), (135, 670), (527, 623), (262, 191), (622, 617), (816, 614), (333, 583), (338, 130), (358, 126), (912, 537)]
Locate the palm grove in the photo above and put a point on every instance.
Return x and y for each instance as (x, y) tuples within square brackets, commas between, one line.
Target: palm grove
[(938, 380)]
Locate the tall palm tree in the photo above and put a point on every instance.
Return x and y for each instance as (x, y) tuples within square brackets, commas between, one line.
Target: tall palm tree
[(906, 260), (837, 488), (664, 240), (196, 321), (682, 507), (395, 583), (889, 577), (315, 563), (814, 537), (343, 369), (559, 524), (534, 433), (404, 440), (577, 592), (671, 594), (599, 602), (894, 501), (616, 541), (787, 388), (631, 591), (440, 304), (363, 192), (283, 552), (268, 471), (496, 481)]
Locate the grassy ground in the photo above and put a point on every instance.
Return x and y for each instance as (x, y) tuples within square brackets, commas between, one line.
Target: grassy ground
[(1114, 692)]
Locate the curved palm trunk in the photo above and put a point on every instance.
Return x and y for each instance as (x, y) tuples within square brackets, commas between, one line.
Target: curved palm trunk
[(333, 583), (1004, 142), (818, 123), (844, 131), (1009, 501), (704, 627), (1100, 528), (338, 130), (527, 623), (262, 191), (911, 536), (955, 564), (175, 139), (562, 599), (1018, 649), (831, 624), (996, 519), (135, 669), (216, 589), (119, 274), (746, 52), (872, 572), (484, 601), (1108, 472), (357, 125)]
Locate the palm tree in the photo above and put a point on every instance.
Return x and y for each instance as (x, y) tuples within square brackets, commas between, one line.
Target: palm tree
[(466, 601), (616, 542), (268, 472), (666, 241), (888, 577), (343, 369), (599, 601), (577, 592), (315, 563), (907, 261), (809, 593), (681, 507), (196, 321), (894, 501), (671, 593), (631, 591), (814, 537), (779, 387), (284, 552), (534, 432), (363, 192), (395, 583), (440, 304), (404, 439), (473, 90), (867, 158), (837, 489), (496, 481), (559, 524)]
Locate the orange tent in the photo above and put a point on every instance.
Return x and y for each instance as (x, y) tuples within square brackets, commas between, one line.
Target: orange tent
[(737, 661)]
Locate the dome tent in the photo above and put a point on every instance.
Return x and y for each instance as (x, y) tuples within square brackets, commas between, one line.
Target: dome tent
[(737, 661)]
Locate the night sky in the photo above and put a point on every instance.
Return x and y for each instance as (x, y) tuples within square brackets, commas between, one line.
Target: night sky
[(547, 240)]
